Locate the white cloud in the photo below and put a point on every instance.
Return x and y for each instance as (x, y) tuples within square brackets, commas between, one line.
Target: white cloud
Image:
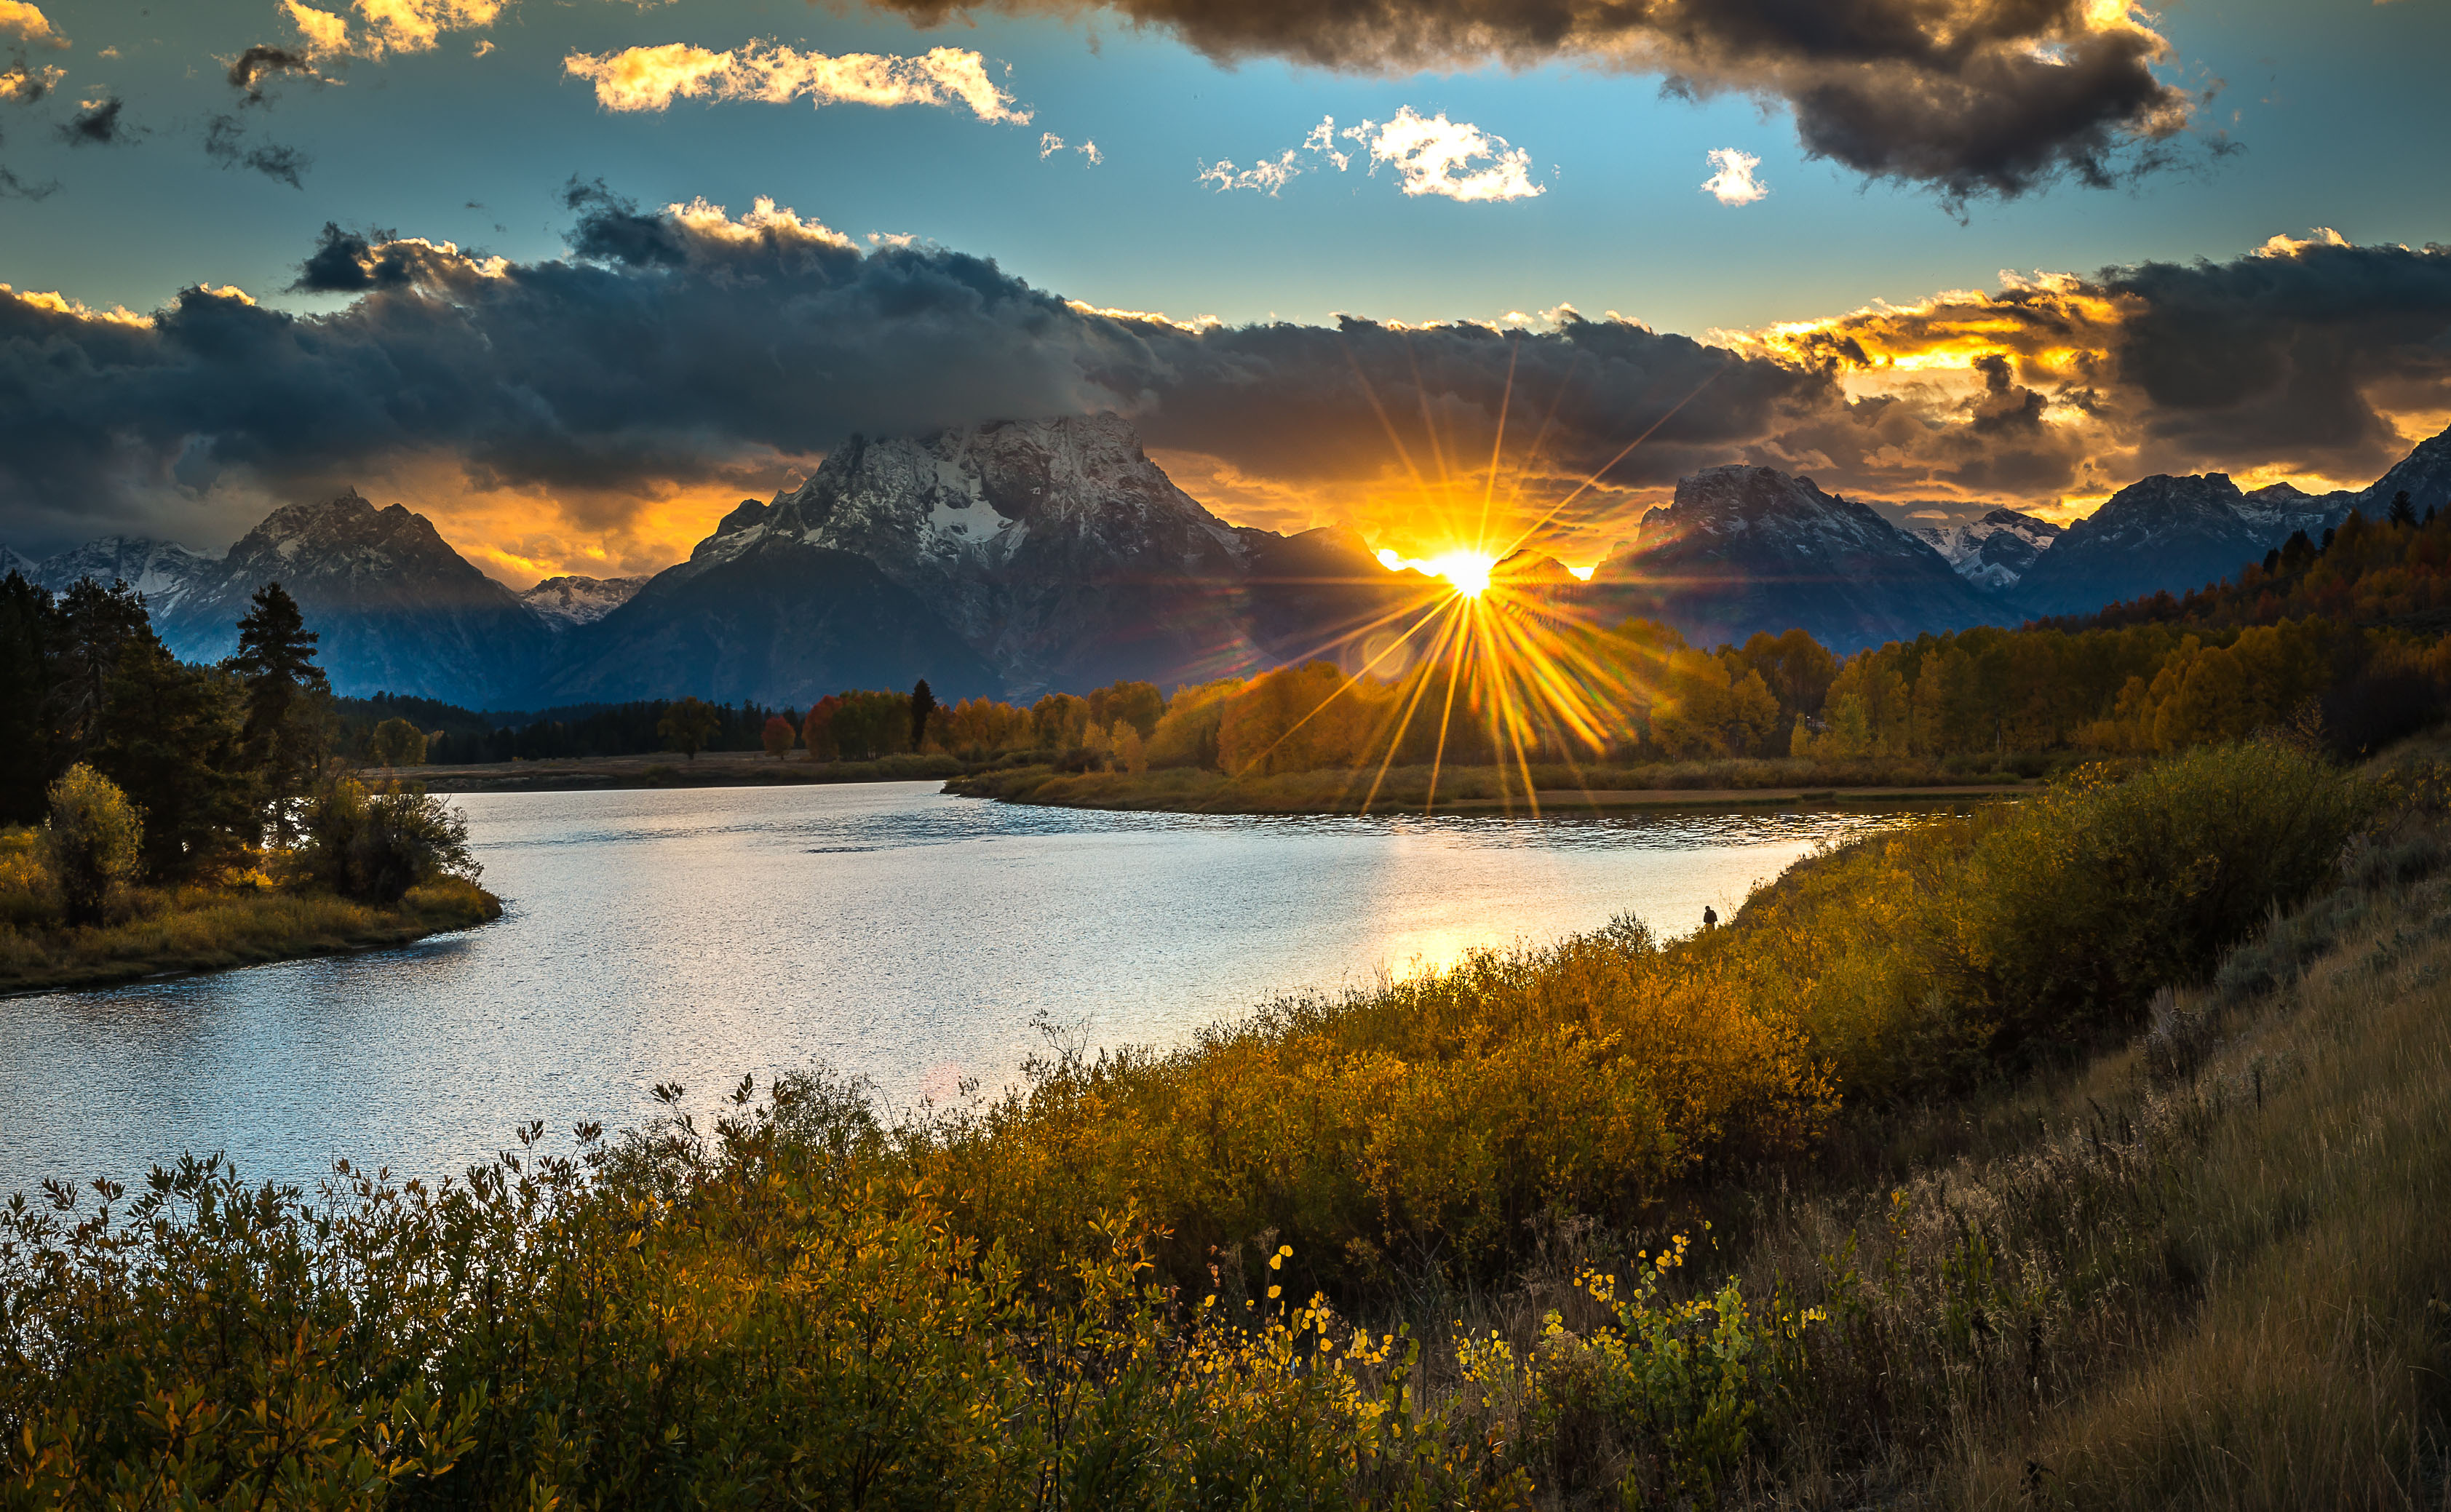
[(1049, 144), (1430, 155), (1269, 175), (1323, 140), (653, 78), (1732, 181)]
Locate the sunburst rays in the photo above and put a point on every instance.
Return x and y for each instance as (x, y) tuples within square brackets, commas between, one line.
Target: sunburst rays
[(1479, 656)]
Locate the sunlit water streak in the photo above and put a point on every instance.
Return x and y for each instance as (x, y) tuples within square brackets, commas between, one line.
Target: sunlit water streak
[(889, 930)]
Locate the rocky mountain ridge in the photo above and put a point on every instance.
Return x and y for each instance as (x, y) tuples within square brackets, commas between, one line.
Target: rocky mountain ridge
[(1012, 559), (567, 602), (1995, 551), (1744, 549)]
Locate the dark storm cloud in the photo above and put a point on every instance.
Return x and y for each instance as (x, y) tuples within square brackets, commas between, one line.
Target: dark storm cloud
[(1342, 404), (262, 62), (226, 144), (1972, 97), (97, 124), (677, 348), (2295, 355), (21, 83), (2287, 353)]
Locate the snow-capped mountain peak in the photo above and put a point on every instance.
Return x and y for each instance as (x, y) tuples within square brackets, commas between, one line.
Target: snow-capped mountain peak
[(566, 602), (163, 572), (1995, 551)]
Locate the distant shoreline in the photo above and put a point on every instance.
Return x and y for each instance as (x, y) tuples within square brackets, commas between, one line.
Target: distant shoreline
[(712, 769), (1469, 790), (1462, 790)]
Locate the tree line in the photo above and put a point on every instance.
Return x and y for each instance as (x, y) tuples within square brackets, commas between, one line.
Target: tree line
[(142, 768), (2339, 636)]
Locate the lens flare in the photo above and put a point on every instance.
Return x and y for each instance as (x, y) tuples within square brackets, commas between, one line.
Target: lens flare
[(1467, 572)]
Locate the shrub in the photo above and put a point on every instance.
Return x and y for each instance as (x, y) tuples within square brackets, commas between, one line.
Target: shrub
[(29, 899), (396, 743), (92, 843), (376, 846)]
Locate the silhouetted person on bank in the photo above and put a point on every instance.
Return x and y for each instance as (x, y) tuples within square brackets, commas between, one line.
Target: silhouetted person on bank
[(1710, 917)]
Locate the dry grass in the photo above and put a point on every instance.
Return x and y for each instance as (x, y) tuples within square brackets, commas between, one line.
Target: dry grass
[(2208, 1268), (2311, 1372)]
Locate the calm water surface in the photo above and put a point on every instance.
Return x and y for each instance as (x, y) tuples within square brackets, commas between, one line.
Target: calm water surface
[(885, 929)]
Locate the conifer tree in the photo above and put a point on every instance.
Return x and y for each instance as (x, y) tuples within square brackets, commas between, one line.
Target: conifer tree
[(285, 694), (923, 708), (25, 625), (2402, 512)]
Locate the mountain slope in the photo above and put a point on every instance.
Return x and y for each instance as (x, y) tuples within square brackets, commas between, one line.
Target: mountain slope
[(1056, 549), (2161, 532), (790, 623), (2424, 472), (397, 608), (1747, 549), (163, 572)]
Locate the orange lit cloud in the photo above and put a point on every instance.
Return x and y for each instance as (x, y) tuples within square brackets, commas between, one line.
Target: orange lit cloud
[(27, 24), (653, 78)]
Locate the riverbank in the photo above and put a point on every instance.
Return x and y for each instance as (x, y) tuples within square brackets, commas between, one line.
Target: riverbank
[(1485, 789), (1927, 1180), (710, 769), (173, 932)]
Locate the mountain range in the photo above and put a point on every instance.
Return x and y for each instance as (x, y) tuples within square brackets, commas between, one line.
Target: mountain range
[(1023, 557)]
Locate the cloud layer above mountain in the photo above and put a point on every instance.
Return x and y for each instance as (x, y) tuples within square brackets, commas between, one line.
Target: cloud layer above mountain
[(594, 412), (1973, 97)]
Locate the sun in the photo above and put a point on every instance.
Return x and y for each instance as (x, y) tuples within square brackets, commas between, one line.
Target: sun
[(1468, 571)]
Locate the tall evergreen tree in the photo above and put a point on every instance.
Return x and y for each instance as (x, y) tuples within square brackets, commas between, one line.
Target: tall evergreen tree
[(2402, 512), (93, 627), (175, 743), (286, 693), (26, 615), (923, 707)]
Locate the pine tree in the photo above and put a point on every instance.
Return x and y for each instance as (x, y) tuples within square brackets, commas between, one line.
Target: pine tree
[(174, 742), (26, 615), (93, 627), (2402, 512), (923, 707), (286, 693)]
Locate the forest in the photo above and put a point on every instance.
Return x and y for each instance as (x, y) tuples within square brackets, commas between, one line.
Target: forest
[(160, 815)]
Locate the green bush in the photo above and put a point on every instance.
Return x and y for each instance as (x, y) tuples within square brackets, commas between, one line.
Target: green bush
[(93, 843), (375, 846), (1933, 955), (396, 743)]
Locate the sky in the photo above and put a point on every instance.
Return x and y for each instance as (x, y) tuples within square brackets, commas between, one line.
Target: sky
[(1332, 259)]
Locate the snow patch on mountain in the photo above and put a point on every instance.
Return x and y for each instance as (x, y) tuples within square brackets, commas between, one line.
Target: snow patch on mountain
[(1992, 552), (163, 572), (566, 602)]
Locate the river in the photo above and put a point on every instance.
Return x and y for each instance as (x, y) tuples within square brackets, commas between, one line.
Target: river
[(885, 929)]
